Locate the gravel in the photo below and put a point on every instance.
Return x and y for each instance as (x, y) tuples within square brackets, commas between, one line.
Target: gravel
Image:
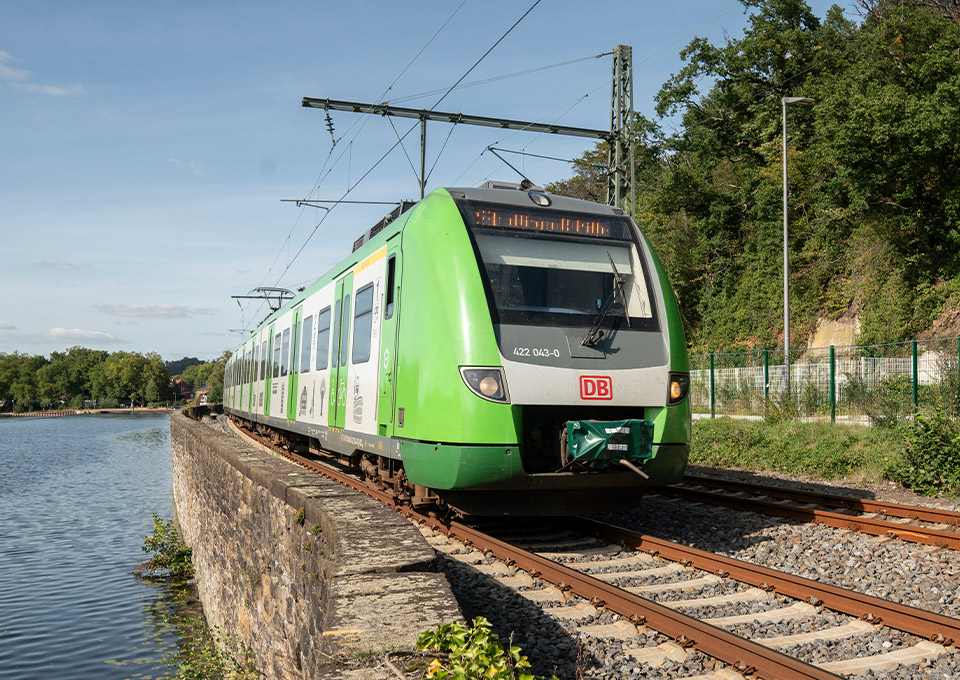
[(911, 574)]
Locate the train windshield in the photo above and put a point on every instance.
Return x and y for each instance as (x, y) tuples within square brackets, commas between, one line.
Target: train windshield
[(557, 280)]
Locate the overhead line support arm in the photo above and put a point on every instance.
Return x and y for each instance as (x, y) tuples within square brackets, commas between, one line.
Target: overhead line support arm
[(385, 109)]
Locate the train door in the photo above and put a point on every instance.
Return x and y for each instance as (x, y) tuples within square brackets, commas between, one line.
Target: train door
[(252, 377), (269, 369), (261, 373), (294, 375), (341, 351), (388, 344)]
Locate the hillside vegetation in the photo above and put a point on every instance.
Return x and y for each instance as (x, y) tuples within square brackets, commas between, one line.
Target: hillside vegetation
[(874, 170), (70, 378)]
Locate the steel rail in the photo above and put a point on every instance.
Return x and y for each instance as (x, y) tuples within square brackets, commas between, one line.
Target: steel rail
[(923, 514), (930, 625), (744, 655), (868, 525)]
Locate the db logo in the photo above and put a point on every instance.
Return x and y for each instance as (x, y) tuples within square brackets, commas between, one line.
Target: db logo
[(596, 387)]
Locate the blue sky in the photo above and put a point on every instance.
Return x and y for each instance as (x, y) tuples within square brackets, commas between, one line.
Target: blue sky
[(146, 147)]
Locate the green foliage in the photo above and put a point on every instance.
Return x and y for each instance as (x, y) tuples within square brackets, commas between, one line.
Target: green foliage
[(472, 653), (67, 379), (128, 375), (930, 461), (874, 202), (822, 450), (208, 375), (209, 654), (300, 516), (168, 554), (886, 404), (30, 383), (180, 366), (780, 409)]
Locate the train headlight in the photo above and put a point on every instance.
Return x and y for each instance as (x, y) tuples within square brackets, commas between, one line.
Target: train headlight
[(486, 383), (679, 386)]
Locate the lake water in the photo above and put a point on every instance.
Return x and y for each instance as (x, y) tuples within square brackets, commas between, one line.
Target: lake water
[(77, 495)]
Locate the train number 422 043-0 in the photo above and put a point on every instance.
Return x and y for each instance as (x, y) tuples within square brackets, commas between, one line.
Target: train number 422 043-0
[(535, 351)]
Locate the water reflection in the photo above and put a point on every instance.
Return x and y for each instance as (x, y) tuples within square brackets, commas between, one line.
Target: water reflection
[(77, 496)]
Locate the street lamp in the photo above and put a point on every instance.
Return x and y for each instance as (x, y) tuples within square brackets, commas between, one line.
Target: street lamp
[(787, 101)]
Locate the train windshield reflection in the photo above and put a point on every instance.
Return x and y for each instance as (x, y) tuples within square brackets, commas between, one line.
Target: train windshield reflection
[(560, 282)]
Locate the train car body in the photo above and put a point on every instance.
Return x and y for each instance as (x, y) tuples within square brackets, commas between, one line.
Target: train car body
[(511, 352)]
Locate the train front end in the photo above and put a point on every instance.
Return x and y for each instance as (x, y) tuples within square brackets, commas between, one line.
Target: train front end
[(568, 342)]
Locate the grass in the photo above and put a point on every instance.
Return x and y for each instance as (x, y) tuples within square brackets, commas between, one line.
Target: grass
[(822, 450)]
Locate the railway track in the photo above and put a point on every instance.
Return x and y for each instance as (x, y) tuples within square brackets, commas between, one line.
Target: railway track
[(798, 505), (610, 583)]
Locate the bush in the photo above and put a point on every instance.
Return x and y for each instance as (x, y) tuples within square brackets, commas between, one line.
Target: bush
[(208, 654), (170, 556), (930, 460), (474, 653)]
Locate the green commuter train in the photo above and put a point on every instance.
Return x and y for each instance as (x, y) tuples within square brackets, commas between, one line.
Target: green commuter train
[(498, 351)]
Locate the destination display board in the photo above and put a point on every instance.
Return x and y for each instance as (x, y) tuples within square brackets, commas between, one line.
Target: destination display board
[(511, 218)]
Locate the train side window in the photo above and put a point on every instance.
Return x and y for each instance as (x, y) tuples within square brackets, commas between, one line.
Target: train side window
[(391, 286), (363, 324), (335, 351), (323, 339), (344, 332), (285, 354), (263, 360), (307, 338), (276, 356), (255, 363)]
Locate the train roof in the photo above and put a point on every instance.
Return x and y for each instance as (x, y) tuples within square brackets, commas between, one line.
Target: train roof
[(523, 199), (394, 220)]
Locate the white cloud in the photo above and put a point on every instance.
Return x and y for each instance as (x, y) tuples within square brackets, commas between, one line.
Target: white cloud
[(61, 264), (192, 166), (18, 78), (80, 335), (52, 90), (7, 326), (161, 311), (9, 72)]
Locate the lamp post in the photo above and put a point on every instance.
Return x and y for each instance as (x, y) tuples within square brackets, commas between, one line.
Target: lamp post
[(787, 101)]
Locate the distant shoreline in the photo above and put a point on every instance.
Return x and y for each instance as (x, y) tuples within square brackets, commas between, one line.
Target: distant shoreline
[(88, 412)]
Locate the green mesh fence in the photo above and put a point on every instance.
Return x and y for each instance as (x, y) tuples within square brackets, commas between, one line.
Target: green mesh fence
[(877, 384)]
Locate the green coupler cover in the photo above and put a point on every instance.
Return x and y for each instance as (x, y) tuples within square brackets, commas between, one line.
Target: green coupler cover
[(599, 443)]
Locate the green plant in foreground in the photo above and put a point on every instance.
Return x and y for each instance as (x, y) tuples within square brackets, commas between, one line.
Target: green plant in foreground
[(169, 555), (473, 652), (206, 653), (930, 463), (300, 517)]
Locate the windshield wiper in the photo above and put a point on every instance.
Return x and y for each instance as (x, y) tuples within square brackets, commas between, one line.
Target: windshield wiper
[(595, 335)]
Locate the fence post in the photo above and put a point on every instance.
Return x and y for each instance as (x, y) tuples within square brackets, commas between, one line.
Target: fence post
[(712, 398), (916, 376), (833, 385), (766, 375)]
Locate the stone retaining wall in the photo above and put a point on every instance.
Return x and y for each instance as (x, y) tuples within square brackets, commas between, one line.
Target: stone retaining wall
[(302, 568)]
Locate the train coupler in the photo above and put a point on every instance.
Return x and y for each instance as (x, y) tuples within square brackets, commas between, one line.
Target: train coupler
[(598, 444)]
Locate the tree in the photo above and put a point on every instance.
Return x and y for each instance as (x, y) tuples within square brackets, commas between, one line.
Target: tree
[(18, 381), (874, 173)]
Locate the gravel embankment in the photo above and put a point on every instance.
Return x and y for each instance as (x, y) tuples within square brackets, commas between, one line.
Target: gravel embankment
[(917, 575)]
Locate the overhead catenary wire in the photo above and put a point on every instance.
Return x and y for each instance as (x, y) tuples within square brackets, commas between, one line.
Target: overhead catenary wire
[(328, 167), (324, 172), (411, 129), (606, 83)]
